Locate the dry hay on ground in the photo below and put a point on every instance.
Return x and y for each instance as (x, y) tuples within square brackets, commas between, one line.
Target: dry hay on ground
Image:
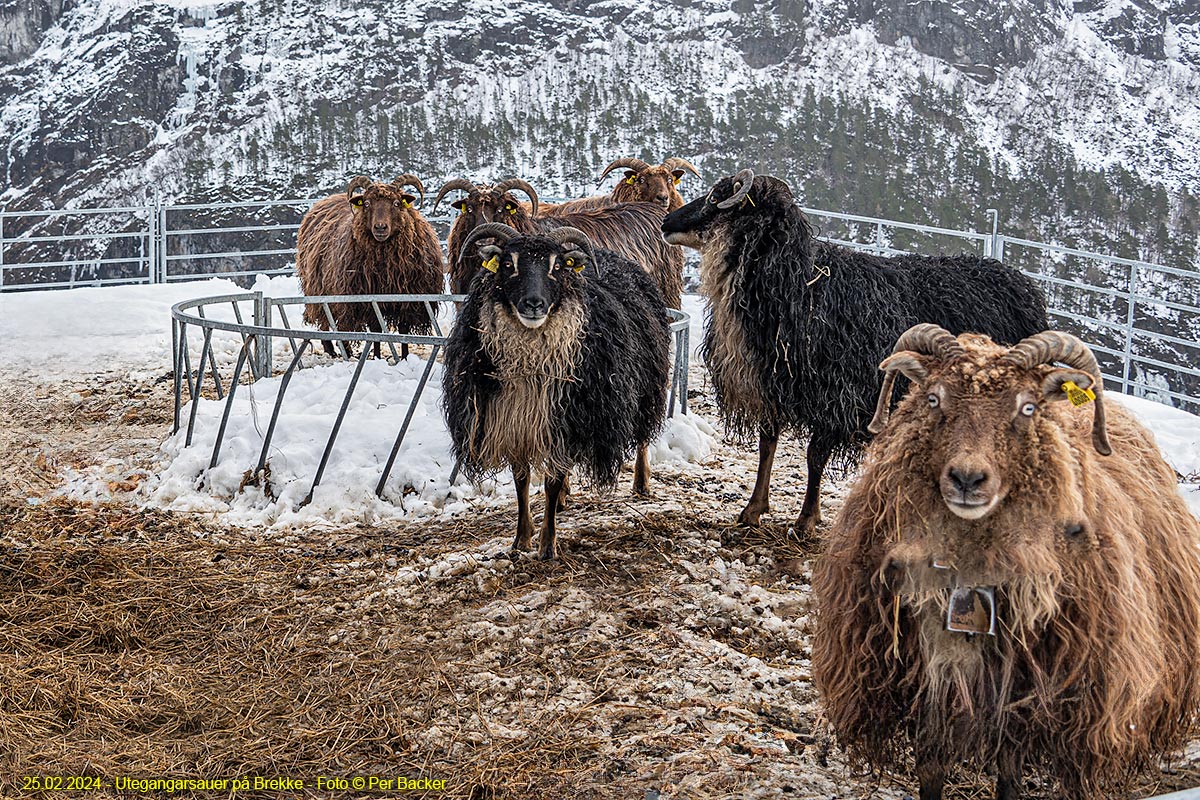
[(665, 651)]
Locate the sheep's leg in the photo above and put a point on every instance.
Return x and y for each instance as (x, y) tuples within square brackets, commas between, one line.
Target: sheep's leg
[(524, 538), (564, 497), (641, 473), (404, 350), (554, 484), (1008, 774), (768, 439), (329, 348), (931, 774), (810, 513), (378, 353)]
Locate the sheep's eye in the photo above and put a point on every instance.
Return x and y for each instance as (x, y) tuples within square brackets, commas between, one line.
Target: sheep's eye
[(934, 400), (1027, 409), (396, 203)]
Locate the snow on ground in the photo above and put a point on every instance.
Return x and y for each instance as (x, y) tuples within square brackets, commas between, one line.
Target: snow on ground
[(1178, 435), (419, 484), (126, 329)]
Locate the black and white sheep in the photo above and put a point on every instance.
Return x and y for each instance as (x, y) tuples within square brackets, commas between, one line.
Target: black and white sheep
[(559, 358), (796, 326), (370, 240), (631, 230)]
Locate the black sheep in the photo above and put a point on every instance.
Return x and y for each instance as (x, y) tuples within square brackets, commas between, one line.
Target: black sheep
[(559, 358), (797, 327)]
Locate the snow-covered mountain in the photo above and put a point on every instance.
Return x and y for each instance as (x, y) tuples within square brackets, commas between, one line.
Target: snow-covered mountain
[(1080, 121)]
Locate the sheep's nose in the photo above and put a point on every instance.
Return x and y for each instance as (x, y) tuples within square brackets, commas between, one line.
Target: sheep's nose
[(967, 480), (381, 228), (532, 307), (661, 199)]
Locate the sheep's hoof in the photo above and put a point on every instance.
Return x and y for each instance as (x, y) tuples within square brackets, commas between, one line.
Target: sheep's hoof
[(750, 517), (547, 554), (564, 501), (805, 527), (643, 492)]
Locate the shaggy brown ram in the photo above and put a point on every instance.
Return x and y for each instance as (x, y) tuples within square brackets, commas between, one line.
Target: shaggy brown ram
[(371, 240), (642, 183), (628, 229), (986, 504)]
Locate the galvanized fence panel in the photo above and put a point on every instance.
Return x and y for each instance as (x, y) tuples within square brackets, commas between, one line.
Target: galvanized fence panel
[(1142, 319), (199, 317)]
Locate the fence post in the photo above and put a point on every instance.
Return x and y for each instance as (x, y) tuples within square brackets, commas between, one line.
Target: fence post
[(879, 237), (151, 240), (1, 249), (262, 367), (1129, 319), (992, 244), (160, 247)]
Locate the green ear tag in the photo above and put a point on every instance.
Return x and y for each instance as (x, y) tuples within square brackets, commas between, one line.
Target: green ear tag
[(1076, 395), (492, 264)]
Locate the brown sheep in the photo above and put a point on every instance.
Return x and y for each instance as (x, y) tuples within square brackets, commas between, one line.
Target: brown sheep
[(642, 183), (628, 229), (983, 484), (371, 240)]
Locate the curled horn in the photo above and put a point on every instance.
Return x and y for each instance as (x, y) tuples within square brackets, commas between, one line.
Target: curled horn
[(925, 339), (488, 230), (679, 163), (635, 164), (408, 179), (569, 235), (450, 185), (1050, 346), (358, 182), (743, 181), (517, 183)]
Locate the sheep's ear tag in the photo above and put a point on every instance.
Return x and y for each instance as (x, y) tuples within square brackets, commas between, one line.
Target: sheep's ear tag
[(511, 209), (631, 180), (1077, 396), (678, 180), (972, 610), (575, 265), (492, 264), (357, 200)]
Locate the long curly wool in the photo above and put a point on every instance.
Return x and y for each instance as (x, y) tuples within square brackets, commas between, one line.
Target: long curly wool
[(337, 255), (1095, 671), (797, 327), (603, 389)]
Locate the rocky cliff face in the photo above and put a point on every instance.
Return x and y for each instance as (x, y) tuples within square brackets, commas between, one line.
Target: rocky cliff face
[(1068, 116)]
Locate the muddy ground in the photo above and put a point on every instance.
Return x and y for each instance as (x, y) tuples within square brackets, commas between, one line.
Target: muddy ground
[(664, 655)]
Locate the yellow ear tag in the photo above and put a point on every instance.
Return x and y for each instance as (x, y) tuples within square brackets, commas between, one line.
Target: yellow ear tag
[(358, 201), (406, 204), (1076, 395), (492, 264), (631, 180), (571, 264), (512, 209), (750, 200), (677, 180)]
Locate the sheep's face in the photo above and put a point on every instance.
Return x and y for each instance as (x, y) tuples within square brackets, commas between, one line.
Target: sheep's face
[(652, 185), (983, 424), (490, 204), (381, 209), (533, 275), (702, 221)]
